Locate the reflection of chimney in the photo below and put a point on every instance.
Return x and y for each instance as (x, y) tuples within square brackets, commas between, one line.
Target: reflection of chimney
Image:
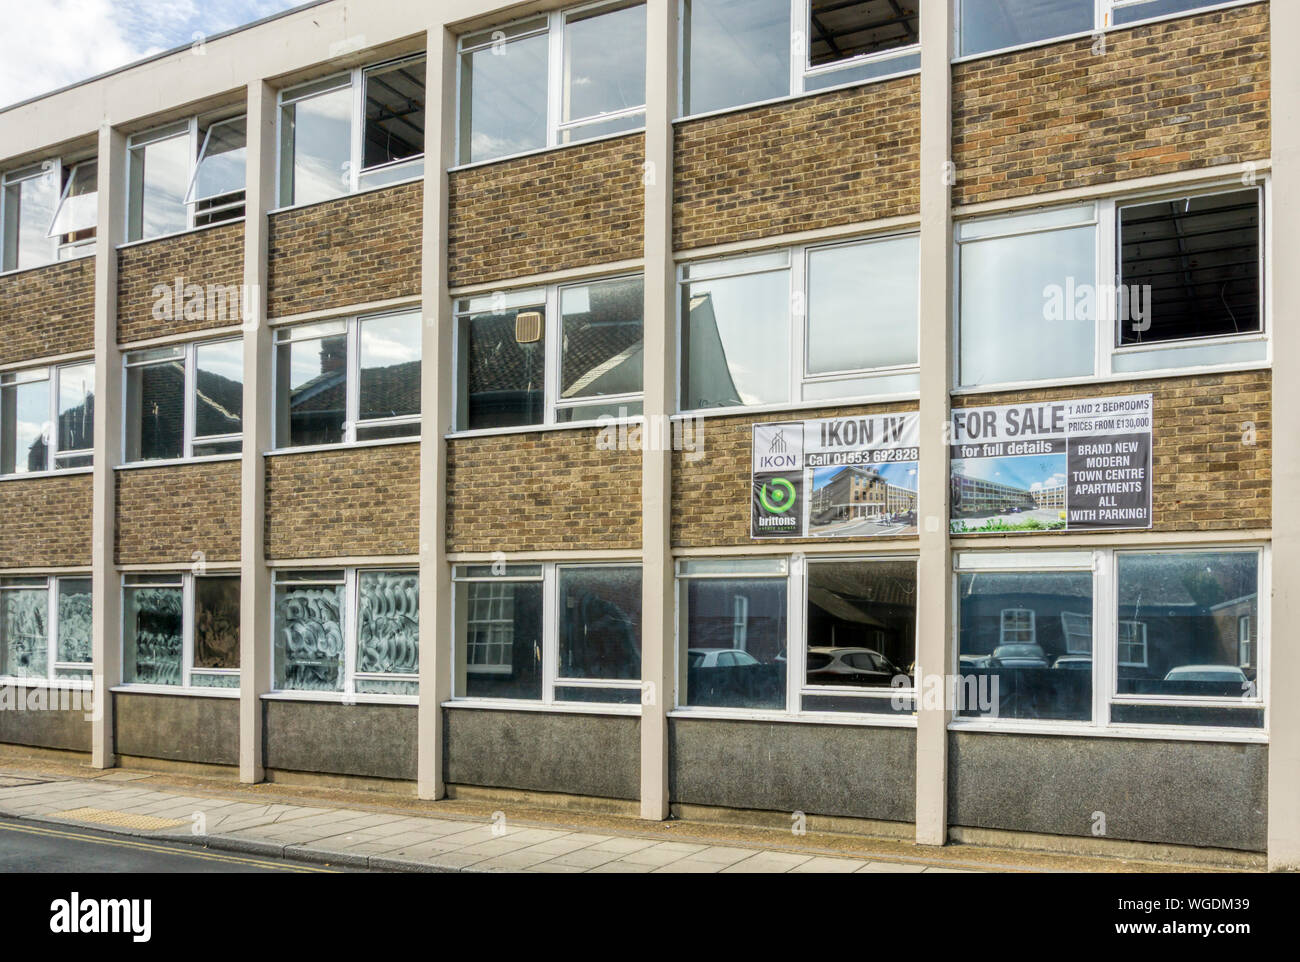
[(333, 355)]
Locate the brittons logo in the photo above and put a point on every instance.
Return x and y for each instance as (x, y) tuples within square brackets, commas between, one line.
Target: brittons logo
[(778, 495)]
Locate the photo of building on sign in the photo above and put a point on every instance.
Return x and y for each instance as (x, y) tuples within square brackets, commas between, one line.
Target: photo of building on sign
[(1009, 494), (858, 501)]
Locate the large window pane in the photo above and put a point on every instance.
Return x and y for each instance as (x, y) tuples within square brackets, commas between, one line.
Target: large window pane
[(311, 379), (216, 622), (153, 639), (218, 394), (1018, 318), (1188, 624), (862, 306), (76, 413), (1157, 8), (735, 636), (499, 639), (734, 52), (390, 367), (600, 623), (1026, 644), (503, 365), (309, 637), (160, 177), (602, 339), (316, 148), (29, 207), (736, 336), (388, 634), (503, 96), (604, 66), (24, 628), (861, 623), (1193, 265), (155, 406), (394, 113), (76, 630), (994, 24), (24, 426)]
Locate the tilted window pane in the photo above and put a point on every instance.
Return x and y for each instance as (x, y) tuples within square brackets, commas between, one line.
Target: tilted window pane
[(600, 623), (309, 637), (734, 52), (1158, 8), (499, 639), (29, 207), (24, 427), (316, 148), (737, 341), (861, 623), (603, 333), (24, 632), (76, 629), (735, 636), (503, 99), (1028, 307), (840, 31), (160, 177), (77, 408), (216, 622), (153, 636), (503, 365), (312, 385), (604, 67), (388, 635), (219, 389), (1020, 645), (221, 167), (1190, 268), (394, 113), (390, 366), (995, 24), (155, 406), (79, 209), (862, 306), (1188, 624)]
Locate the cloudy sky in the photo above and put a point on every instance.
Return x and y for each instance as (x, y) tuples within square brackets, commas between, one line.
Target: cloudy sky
[(47, 44)]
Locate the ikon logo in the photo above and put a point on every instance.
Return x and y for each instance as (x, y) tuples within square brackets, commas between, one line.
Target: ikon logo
[(778, 454)]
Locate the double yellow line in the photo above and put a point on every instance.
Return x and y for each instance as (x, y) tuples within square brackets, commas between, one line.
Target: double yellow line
[(159, 849)]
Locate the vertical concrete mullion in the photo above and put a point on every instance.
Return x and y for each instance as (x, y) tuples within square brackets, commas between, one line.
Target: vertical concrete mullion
[(657, 652), (1284, 655), (106, 592), (934, 620), (437, 384), (255, 577)]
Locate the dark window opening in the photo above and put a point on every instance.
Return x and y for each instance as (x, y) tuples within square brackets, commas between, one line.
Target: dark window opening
[(394, 114), (842, 29)]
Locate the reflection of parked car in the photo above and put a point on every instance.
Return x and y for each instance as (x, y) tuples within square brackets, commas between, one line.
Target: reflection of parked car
[(1074, 662), (974, 661), (1018, 656), (718, 658), (1220, 674), (850, 666)]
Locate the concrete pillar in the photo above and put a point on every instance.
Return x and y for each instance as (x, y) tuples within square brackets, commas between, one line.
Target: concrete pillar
[(658, 658), (1284, 654), (934, 616), (106, 590), (437, 385), (255, 577)]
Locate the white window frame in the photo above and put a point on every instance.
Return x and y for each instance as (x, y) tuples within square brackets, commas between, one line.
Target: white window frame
[(51, 168), (53, 378), (1102, 565), (353, 80), (191, 200), (550, 299), (52, 666), (799, 333), (554, 31), (548, 575), (187, 353), (1106, 329), (184, 580), (351, 328)]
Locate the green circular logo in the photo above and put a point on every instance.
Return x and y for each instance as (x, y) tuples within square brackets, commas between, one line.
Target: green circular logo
[(783, 497)]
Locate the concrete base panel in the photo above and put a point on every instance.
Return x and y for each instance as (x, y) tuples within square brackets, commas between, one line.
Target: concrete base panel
[(40, 726), (371, 741), (177, 728)]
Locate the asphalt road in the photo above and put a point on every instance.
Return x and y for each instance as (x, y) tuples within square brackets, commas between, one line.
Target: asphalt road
[(42, 847)]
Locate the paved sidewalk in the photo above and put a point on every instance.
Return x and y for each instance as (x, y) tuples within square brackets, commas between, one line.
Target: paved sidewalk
[(388, 842)]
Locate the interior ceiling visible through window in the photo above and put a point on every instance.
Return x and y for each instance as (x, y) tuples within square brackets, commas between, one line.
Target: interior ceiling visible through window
[(394, 114), (850, 28)]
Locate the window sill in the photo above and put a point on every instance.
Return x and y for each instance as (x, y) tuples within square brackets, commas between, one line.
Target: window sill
[(742, 410), (474, 165), (1133, 378), (230, 694), (844, 719), (1142, 732), (344, 196), (723, 111), (319, 448), (554, 708), (40, 267), (39, 475), (177, 462), (179, 233), (338, 698), (541, 428)]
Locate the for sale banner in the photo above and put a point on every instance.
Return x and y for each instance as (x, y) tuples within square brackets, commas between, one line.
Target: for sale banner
[(852, 477), (1080, 465)]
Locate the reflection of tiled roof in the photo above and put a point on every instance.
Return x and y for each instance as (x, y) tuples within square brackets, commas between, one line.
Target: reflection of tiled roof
[(598, 343), (220, 401), (397, 386), (497, 362)]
